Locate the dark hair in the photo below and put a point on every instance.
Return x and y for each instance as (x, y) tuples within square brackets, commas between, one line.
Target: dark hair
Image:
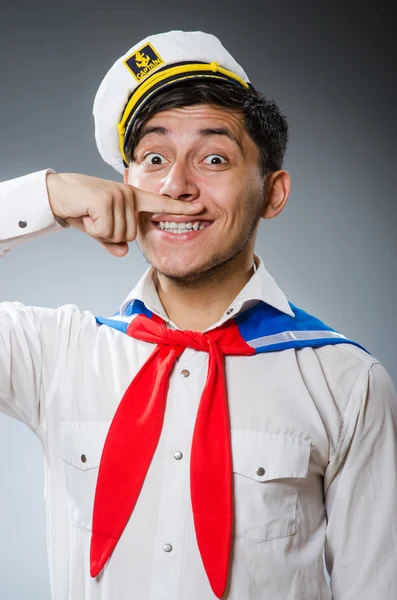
[(263, 120)]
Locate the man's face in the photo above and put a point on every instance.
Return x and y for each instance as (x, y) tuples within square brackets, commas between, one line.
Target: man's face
[(201, 153)]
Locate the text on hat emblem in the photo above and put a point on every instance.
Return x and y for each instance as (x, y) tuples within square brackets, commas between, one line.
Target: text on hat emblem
[(143, 61)]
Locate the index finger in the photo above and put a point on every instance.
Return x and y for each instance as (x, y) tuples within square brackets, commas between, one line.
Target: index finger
[(154, 203)]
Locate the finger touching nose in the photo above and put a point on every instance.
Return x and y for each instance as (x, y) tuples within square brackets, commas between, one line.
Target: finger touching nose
[(179, 184)]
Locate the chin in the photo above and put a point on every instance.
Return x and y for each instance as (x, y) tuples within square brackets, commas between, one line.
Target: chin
[(191, 275), (176, 265), (176, 272), (188, 267)]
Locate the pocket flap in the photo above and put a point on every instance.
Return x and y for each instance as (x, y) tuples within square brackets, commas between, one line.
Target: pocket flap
[(264, 456), (82, 443)]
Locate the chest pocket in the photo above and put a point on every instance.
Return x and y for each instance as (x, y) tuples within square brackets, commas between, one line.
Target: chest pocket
[(267, 470), (81, 450)]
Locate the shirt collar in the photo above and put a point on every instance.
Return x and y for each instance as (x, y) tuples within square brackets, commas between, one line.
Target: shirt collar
[(260, 288)]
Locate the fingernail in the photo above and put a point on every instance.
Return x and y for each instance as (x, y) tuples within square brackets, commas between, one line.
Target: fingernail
[(196, 205)]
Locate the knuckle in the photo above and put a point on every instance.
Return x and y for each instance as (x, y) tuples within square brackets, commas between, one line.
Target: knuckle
[(117, 238), (130, 195), (118, 196), (107, 198), (130, 225), (129, 198), (105, 231)]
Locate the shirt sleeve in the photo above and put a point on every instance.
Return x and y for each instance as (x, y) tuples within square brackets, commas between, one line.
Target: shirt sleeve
[(361, 494), (25, 211), (37, 348)]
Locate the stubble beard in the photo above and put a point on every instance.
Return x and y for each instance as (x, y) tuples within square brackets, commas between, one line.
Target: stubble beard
[(219, 266)]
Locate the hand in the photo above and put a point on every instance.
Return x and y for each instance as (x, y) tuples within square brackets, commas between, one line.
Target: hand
[(107, 210)]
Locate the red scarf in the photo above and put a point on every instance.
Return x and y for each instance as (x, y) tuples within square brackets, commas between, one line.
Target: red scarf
[(134, 434)]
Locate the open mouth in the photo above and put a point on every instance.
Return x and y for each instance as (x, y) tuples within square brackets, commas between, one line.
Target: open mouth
[(182, 230)]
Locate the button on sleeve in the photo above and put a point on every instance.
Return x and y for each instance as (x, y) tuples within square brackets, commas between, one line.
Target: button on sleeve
[(25, 211)]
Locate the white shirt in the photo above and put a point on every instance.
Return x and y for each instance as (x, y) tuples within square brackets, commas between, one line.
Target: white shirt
[(321, 422)]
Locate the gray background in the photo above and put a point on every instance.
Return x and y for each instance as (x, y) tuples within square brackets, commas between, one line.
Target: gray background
[(329, 66)]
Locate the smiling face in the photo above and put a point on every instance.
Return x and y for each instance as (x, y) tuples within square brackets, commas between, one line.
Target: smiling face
[(202, 153)]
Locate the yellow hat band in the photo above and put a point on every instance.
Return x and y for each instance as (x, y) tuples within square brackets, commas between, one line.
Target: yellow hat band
[(176, 73)]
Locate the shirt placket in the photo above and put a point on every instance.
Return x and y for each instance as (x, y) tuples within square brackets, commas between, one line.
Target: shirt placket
[(185, 388)]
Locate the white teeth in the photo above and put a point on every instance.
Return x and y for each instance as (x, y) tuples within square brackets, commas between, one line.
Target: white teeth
[(174, 227)]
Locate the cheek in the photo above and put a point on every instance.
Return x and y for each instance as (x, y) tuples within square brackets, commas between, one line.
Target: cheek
[(230, 195)]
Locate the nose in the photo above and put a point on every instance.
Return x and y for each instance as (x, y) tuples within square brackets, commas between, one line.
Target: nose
[(179, 183)]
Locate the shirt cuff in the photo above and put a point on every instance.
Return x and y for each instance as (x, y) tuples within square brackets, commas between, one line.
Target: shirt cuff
[(25, 210)]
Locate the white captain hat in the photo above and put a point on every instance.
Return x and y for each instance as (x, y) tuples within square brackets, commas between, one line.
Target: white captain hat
[(152, 64)]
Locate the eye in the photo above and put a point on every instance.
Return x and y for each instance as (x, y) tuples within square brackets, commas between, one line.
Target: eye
[(215, 159), (153, 158)]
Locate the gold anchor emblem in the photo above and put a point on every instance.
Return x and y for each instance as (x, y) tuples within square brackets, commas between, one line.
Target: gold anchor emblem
[(142, 60)]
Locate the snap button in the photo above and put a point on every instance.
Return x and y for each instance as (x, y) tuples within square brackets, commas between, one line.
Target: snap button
[(178, 455), (83, 458), (228, 312), (185, 373), (167, 547), (260, 471), (22, 224)]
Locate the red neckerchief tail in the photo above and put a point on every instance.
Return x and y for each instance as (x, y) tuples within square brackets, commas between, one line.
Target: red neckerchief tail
[(134, 434)]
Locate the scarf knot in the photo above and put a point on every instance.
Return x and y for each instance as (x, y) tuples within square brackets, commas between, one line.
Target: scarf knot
[(183, 339), (226, 336)]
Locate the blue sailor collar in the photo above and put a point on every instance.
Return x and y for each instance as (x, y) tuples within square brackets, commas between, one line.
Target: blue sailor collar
[(263, 327), (267, 321)]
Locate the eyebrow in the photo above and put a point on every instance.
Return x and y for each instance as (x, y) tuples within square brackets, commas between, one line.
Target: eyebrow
[(223, 131), (147, 130), (207, 132)]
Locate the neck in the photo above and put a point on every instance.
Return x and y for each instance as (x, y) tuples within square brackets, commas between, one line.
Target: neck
[(202, 303)]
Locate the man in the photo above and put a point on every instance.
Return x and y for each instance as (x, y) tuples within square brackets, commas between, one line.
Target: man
[(210, 439)]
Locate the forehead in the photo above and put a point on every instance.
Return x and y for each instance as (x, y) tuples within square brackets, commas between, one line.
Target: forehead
[(188, 119)]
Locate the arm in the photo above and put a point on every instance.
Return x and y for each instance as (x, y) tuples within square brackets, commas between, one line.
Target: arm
[(361, 495), (22, 354), (46, 202), (31, 337)]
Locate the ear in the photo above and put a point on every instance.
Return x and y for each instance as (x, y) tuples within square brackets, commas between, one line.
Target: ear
[(276, 192), (126, 175)]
